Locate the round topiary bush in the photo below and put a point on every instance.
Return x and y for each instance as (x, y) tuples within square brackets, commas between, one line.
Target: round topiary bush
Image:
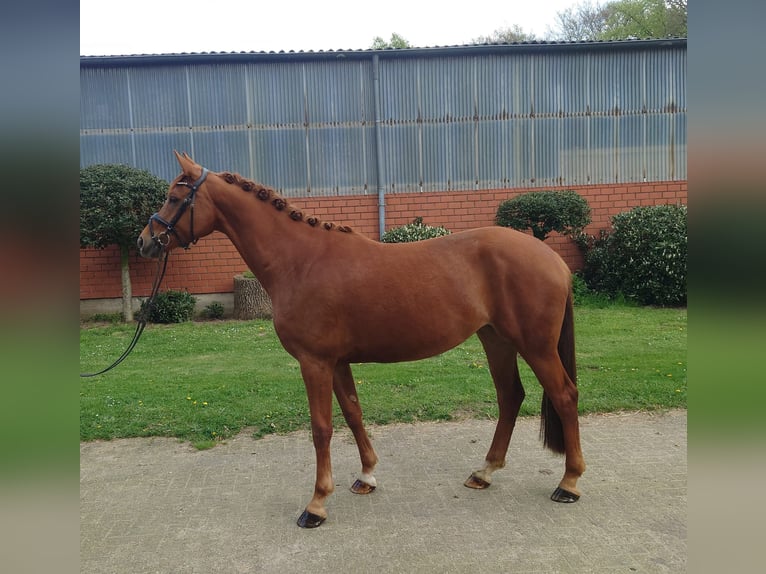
[(545, 211), (415, 231), (643, 257), (115, 203)]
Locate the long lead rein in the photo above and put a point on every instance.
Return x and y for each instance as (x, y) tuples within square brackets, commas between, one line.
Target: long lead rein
[(162, 264)]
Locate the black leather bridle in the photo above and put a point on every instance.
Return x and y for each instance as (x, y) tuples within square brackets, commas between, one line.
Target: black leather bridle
[(163, 237)]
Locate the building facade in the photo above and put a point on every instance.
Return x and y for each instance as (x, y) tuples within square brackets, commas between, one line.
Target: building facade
[(373, 139)]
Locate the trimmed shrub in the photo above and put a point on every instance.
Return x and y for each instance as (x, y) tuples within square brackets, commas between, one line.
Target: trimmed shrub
[(169, 307), (415, 231), (213, 311), (643, 257), (545, 211)]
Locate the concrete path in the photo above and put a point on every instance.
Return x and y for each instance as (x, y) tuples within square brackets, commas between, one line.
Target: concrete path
[(157, 505)]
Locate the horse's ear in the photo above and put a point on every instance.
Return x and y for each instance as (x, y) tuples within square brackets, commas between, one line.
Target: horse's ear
[(187, 164)]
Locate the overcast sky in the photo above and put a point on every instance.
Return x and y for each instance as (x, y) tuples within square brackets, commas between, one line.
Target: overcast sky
[(115, 27)]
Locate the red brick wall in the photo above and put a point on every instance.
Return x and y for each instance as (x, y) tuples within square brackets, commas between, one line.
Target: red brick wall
[(209, 266)]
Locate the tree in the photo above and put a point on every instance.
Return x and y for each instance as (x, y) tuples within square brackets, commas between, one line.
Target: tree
[(545, 211), (585, 21), (115, 204), (621, 20), (396, 41), (645, 19), (507, 35)]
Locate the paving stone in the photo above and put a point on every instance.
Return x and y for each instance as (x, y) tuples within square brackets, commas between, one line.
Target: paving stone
[(159, 506)]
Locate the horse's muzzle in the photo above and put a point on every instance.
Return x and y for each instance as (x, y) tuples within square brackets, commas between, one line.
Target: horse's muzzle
[(150, 249)]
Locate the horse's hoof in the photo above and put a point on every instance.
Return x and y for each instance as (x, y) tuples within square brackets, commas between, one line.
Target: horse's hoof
[(561, 495), (310, 520), (360, 487), (476, 482)]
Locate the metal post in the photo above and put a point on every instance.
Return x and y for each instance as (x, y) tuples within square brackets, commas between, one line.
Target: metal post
[(379, 148)]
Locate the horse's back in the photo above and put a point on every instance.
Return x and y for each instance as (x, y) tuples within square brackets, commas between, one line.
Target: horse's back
[(393, 302), (499, 250)]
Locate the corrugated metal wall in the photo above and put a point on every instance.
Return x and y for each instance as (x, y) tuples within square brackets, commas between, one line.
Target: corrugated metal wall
[(459, 120)]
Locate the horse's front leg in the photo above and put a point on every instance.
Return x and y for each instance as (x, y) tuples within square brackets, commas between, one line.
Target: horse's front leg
[(345, 391), (318, 376)]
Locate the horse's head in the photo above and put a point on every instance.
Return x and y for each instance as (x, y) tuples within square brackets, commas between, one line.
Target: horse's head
[(185, 216)]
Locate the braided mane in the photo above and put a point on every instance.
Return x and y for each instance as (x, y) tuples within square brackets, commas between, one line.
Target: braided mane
[(280, 203)]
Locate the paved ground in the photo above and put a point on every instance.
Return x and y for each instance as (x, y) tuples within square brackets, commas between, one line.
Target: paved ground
[(157, 505)]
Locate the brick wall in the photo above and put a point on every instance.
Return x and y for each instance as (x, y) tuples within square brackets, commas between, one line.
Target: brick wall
[(209, 266)]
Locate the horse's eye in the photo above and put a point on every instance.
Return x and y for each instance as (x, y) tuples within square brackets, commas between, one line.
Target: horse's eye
[(172, 200)]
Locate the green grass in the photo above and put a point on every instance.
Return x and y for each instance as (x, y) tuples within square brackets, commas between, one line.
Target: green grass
[(205, 381)]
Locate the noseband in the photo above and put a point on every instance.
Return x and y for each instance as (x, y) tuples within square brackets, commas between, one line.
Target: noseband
[(163, 237)]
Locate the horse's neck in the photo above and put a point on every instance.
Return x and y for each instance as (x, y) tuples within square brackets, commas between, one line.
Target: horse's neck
[(272, 245)]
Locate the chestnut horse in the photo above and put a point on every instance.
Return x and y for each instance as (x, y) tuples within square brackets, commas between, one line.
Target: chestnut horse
[(340, 298)]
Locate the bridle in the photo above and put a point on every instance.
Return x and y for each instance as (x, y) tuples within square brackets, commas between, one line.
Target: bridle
[(163, 237), (162, 240)]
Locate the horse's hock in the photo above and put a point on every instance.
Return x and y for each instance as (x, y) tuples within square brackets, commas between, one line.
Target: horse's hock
[(250, 299)]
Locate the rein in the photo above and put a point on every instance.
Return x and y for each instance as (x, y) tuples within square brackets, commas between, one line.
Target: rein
[(161, 239), (162, 264)]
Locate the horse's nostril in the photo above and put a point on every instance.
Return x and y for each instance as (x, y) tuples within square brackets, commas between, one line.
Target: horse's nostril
[(140, 242)]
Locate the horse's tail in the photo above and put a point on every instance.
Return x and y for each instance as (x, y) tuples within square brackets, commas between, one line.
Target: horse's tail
[(551, 429)]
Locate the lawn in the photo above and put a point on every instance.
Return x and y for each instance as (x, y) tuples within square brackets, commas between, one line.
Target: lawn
[(205, 381)]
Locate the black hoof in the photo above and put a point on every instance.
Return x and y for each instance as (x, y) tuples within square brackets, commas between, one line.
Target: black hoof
[(561, 495), (309, 520)]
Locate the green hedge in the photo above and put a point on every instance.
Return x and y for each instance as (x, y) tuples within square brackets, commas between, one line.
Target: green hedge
[(643, 257)]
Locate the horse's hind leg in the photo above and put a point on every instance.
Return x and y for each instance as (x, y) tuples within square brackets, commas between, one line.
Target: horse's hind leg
[(562, 393), (345, 392), (502, 360)]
